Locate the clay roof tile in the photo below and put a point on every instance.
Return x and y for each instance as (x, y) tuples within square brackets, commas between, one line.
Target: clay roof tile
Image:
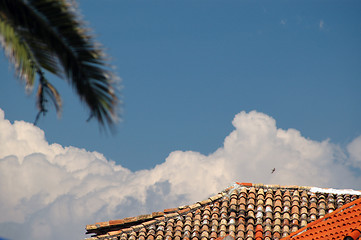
[(239, 211)]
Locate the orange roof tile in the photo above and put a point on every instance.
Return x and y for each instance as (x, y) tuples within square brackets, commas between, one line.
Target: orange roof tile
[(244, 211)]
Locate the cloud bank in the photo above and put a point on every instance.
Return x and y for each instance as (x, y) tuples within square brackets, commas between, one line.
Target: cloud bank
[(48, 191)]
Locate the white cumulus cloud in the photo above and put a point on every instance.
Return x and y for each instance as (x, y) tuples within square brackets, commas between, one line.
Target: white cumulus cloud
[(354, 150), (48, 191)]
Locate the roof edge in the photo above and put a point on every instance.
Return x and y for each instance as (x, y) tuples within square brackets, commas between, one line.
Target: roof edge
[(145, 220)]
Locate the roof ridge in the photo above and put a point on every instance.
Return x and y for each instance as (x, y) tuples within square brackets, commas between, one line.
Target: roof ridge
[(273, 186), (296, 187)]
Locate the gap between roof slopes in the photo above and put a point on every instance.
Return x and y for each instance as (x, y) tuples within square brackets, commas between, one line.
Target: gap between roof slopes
[(343, 223), (135, 223)]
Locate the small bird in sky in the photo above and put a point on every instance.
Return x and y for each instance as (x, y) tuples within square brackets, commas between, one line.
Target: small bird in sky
[(273, 170)]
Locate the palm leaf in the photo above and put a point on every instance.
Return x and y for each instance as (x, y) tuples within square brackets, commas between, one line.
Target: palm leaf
[(47, 91), (56, 36), (18, 53)]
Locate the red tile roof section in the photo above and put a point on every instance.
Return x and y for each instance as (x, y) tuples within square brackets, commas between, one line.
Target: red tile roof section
[(345, 221), (355, 234), (244, 211)]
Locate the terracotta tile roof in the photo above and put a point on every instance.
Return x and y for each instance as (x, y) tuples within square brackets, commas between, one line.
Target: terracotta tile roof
[(343, 222), (243, 211)]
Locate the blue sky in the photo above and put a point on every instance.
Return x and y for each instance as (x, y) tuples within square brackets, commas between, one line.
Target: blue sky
[(214, 92), (189, 66)]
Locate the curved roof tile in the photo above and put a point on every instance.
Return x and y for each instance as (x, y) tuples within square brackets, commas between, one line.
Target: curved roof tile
[(243, 211)]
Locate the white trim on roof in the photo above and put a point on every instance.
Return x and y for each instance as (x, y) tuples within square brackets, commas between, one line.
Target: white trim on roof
[(334, 191)]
